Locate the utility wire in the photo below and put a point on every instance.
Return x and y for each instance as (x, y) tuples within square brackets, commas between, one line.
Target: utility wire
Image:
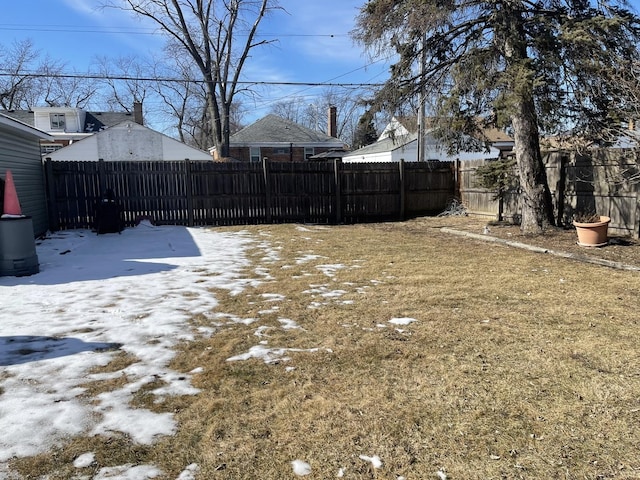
[(177, 80), (137, 30)]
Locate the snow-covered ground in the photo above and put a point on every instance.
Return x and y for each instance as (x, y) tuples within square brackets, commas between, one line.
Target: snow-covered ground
[(97, 295)]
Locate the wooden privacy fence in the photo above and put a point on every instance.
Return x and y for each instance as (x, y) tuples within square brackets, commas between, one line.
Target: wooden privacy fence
[(605, 181), (198, 193)]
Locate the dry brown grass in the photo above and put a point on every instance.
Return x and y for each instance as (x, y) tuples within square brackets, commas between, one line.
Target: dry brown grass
[(520, 365)]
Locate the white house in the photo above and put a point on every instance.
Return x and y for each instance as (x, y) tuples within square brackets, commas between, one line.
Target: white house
[(405, 147), (66, 125), (128, 141), (398, 142)]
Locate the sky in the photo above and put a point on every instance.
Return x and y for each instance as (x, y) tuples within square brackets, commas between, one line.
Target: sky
[(313, 43), (135, 292)]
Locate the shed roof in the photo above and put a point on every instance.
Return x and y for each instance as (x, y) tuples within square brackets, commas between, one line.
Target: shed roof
[(23, 127), (385, 145)]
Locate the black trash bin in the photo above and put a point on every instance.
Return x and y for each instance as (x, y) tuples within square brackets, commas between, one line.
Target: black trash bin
[(109, 218)]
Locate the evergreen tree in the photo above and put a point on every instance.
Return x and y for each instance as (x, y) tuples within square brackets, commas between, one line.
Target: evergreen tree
[(536, 65), (365, 133)]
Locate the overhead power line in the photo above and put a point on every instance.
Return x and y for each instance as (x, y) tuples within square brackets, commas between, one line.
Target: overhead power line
[(137, 30), (178, 80)]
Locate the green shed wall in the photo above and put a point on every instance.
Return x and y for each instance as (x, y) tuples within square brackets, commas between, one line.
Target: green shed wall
[(20, 153)]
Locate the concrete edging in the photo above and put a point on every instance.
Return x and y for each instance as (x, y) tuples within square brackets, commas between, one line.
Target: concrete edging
[(533, 248)]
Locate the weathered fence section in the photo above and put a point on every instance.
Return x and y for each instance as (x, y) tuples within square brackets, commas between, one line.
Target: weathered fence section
[(208, 193), (606, 182)]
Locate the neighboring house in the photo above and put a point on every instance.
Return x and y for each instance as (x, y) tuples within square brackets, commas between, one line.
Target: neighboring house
[(278, 139), (397, 143), (67, 125), (20, 153), (128, 141), (405, 148)]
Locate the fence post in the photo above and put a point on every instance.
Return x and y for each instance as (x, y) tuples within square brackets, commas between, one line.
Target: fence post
[(636, 217), (562, 188), (267, 187), (54, 224), (189, 191), (456, 179), (402, 189), (336, 180), (102, 181)]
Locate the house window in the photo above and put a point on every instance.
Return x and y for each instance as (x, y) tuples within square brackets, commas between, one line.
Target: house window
[(50, 148), (308, 152), (281, 151), (57, 121), (255, 154)]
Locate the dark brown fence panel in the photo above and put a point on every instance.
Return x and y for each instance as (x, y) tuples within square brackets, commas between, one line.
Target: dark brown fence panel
[(371, 192), (429, 187), (228, 193), (208, 193), (302, 192), (77, 189), (150, 189)]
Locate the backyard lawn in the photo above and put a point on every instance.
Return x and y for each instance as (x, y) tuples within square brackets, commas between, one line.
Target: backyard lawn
[(389, 351)]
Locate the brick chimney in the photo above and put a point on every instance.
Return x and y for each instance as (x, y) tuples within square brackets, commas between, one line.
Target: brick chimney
[(332, 122), (137, 113)]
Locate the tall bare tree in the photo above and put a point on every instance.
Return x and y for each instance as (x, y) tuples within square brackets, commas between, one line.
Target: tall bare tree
[(536, 65), (58, 87), (218, 35), (124, 81), (27, 79), (18, 66)]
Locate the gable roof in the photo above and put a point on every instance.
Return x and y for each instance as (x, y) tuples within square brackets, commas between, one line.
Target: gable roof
[(386, 144), (94, 121), (128, 141), (274, 130)]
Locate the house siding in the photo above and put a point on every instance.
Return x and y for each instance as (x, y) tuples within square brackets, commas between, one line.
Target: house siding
[(21, 154), (296, 153)]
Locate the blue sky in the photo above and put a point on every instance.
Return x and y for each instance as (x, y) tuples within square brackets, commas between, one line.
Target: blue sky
[(313, 42)]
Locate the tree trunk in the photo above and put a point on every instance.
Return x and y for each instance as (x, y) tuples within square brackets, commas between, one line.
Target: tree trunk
[(537, 209)]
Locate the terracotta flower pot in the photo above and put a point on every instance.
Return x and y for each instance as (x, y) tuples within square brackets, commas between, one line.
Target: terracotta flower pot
[(593, 234)]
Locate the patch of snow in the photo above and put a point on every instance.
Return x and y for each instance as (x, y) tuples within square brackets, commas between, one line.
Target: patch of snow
[(189, 473), (84, 460), (273, 297), (330, 270), (128, 472), (375, 460), (402, 321), (309, 257), (97, 296), (288, 324), (269, 355), (301, 468)]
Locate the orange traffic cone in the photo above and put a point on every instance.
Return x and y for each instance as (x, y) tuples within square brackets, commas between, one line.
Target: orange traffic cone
[(11, 203)]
